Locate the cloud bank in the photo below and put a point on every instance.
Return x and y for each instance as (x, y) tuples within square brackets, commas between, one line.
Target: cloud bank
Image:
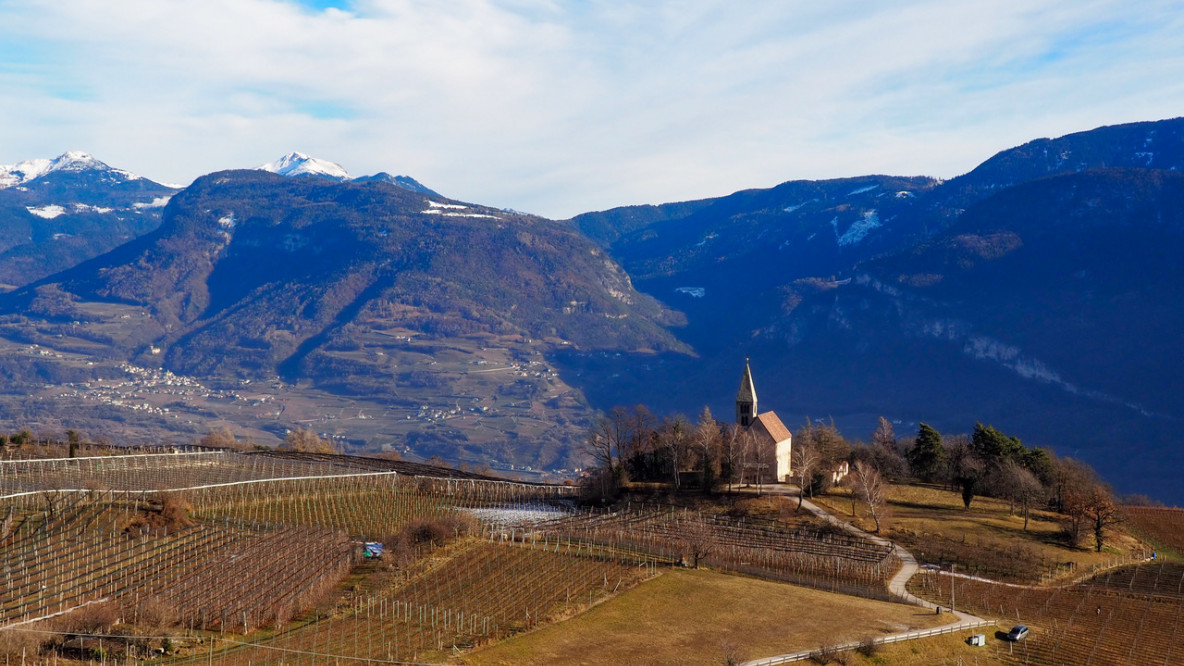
[(561, 107)]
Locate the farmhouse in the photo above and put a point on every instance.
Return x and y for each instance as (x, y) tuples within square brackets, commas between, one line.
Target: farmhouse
[(772, 439)]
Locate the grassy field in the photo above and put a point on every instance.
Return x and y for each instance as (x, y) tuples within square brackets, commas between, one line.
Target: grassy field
[(986, 539), (945, 650), (698, 617)]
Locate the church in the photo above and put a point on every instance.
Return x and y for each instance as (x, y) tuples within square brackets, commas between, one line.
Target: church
[(772, 439)]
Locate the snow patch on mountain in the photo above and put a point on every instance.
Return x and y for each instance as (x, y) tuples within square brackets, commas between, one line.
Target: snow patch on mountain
[(48, 212), (693, 292), (858, 229), (17, 174), (84, 208), (790, 209), (72, 161), (452, 210), (706, 238), (299, 164), (158, 202), (861, 190)]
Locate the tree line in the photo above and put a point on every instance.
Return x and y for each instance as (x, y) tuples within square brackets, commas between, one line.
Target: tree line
[(633, 445)]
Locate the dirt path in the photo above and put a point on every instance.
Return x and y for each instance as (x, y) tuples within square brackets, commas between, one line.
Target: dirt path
[(897, 586)]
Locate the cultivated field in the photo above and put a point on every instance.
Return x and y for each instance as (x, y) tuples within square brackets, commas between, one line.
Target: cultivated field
[(806, 554), (248, 558), (1131, 615), (702, 617), (240, 558), (1162, 526), (986, 540)]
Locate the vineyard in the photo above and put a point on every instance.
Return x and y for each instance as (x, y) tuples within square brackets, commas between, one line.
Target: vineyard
[(828, 559), (212, 574), (1161, 525), (477, 592), (204, 469), (253, 557), (1131, 615)]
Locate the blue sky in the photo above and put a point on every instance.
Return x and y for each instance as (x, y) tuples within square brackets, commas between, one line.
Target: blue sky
[(562, 107)]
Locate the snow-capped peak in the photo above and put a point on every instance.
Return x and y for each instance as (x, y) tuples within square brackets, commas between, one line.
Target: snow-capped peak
[(74, 160), (299, 164)]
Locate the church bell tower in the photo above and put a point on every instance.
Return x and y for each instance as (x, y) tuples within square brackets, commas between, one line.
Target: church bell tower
[(746, 399)]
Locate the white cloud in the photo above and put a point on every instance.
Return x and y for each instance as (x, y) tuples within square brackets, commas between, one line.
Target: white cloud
[(559, 107)]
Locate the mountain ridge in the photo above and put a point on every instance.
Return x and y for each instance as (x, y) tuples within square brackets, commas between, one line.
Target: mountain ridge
[(1037, 292)]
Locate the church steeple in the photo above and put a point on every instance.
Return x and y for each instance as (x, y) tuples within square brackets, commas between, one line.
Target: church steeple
[(746, 398)]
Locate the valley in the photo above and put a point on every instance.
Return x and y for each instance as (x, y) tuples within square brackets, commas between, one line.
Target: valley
[(1035, 294)]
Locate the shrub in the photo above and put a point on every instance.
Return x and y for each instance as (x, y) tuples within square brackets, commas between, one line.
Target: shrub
[(155, 613), (170, 515), (824, 655), (868, 647), (90, 619), (16, 644), (402, 548)]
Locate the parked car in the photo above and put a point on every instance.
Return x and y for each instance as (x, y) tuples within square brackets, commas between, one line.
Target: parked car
[(1017, 633)]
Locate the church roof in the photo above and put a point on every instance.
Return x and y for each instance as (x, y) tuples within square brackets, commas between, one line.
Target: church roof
[(747, 391), (769, 425)]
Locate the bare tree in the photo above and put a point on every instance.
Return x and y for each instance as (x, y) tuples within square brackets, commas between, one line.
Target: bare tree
[(831, 447), (604, 444), (729, 454), (707, 438), (223, 438), (699, 541), (964, 469), (1101, 511), (884, 434), (744, 453), (307, 441), (674, 440), (641, 432), (762, 456), (1005, 481), (806, 460), (1070, 476), (1030, 491), (871, 489)]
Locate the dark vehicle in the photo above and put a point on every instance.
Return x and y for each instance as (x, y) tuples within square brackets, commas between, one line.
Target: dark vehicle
[(1018, 633)]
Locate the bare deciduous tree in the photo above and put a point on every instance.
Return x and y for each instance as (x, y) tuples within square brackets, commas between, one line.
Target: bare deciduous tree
[(744, 454), (729, 455), (884, 435), (307, 441), (707, 438), (674, 440), (1101, 511), (870, 488), (806, 459), (699, 541), (1030, 492)]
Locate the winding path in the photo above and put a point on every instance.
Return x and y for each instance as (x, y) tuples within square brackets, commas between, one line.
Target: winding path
[(897, 586)]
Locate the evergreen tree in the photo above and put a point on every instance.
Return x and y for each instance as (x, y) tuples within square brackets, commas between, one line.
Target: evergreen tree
[(927, 457), (993, 447)]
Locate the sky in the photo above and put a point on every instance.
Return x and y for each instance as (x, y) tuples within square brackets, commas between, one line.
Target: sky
[(557, 108)]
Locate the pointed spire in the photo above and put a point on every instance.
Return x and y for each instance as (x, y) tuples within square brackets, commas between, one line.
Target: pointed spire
[(747, 391), (746, 398)]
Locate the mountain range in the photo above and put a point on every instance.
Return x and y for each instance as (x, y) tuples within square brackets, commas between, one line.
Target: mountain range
[(1039, 292)]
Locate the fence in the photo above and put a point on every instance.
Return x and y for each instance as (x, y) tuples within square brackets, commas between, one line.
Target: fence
[(886, 640)]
